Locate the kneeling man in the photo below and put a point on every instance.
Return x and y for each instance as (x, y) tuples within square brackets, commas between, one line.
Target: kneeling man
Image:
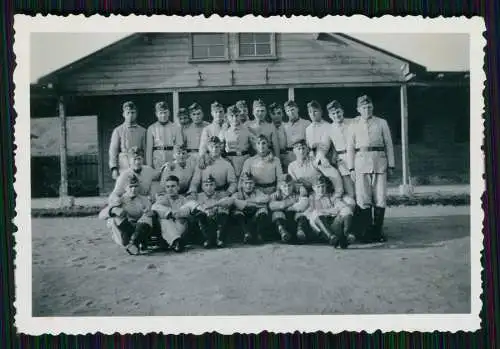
[(129, 217)]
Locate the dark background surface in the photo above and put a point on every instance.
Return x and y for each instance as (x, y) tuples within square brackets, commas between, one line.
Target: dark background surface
[(485, 338)]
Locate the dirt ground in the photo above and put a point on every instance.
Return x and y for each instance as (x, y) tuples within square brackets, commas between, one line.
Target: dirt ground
[(424, 268)]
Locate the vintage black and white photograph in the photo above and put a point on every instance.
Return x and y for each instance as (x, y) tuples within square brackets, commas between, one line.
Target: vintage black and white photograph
[(229, 172)]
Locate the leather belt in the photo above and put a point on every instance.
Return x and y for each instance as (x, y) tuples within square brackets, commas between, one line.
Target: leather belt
[(192, 150), (266, 185), (283, 151), (289, 149), (370, 149), (237, 153), (159, 147), (222, 187), (340, 152)]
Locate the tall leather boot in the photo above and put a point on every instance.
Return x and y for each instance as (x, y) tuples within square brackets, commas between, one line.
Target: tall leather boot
[(338, 228), (126, 231), (241, 220), (155, 234), (378, 233), (260, 227), (205, 229), (221, 222), (282, 231), (302, 228), (365, 225), (139, 236), (356, 228), (348, 222), (323, 225)]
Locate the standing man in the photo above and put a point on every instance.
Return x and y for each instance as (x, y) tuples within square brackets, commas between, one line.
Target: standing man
[(129, 134), (236, 139), (276, 113), (317, 133), (181, 167), (264, 167), (339, 135), (192, 133), (161, 137), (370, 155), (243, 111), (295, 130), (212, 130), (260, 126)]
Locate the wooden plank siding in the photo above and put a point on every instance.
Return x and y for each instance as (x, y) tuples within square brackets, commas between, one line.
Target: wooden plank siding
[(163, 63)]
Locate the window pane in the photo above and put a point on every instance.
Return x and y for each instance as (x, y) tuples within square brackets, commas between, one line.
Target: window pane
[(200, 51), (246, 38), (262, 38), (263, 49), (217, 51), (208, 39), (247, 50)]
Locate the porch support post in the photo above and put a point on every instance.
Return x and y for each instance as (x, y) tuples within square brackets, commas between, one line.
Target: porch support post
[(64, 199), (291, 94), (405, 188), (175, 105)]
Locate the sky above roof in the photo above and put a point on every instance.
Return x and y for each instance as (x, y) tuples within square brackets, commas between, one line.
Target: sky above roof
[(437, 52)]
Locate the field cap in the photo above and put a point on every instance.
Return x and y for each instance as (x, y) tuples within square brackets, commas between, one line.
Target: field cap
[(214, 140), (233, 110), (290, 104), (246, 176), (136, 151), (314, 104), (161, 106), (216, 105), (259, 103), (128, 106), (209, 179), (180, 147), (133, 181), (182, 111), (193, 107), (364, 99), (287, 178), (273, 106), (334, 105), (321, 180), (300, 142), (241, 104)]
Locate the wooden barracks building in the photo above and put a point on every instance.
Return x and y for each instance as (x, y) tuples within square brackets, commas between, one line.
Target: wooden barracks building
[(428, 112)]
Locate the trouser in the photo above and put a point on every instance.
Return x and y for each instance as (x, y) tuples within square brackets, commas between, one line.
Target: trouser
[(254, 221), (160, 157), (266, 189), (213, 226), (124, 231), (348, 186), (237, 162), (172, 229), (334, 227), (291, 222), (371, 189)]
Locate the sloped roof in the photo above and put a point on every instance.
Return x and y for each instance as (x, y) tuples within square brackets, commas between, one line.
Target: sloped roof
[(332, 37)]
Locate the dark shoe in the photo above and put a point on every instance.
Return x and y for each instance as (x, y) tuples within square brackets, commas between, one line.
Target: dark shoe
[(162, 244), (247, 238), (207, 244), (301, 236), (333, 241), (351, 238), (258, 239), (284, 234), (133, 249), (378, 222), (177, 246), (219, 243)]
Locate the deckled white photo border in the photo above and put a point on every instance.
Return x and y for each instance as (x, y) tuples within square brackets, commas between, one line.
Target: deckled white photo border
[(26, 323)]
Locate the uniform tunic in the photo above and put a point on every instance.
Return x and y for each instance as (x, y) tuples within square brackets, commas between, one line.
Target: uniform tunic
[(339, 136), (297, 202), (185, 174), (266, 171), (317, 137), (237, 145), (146, 177), (266, 129), (172, 229), (204, 200), (258, 197), (223, 173), (137, 210), (369, 152), (160, 142), (325, 205), (212, 130), (192, 136), (123, 138), (294, 131)]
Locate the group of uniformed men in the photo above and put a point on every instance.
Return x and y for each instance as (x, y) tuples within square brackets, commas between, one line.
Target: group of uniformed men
[(296, 181)]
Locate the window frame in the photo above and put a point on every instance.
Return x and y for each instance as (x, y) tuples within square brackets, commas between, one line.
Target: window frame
[(271, 56), (209, 59)]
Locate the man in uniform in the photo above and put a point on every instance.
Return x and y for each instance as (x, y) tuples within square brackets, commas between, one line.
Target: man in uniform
[(214, 128), (370, 157), (237, 140), (328, 215), (161, 137), (183, 118), (260, 126), (219, 168), (173, 211), (144, 173), (129, 216), (127, 135), (192, 133), (276, 113), (295, 130), (339, 135), (212, 213), (317, 133), (182, 167), (287, 207), (251, 210), (243, 111), (264, 167)]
